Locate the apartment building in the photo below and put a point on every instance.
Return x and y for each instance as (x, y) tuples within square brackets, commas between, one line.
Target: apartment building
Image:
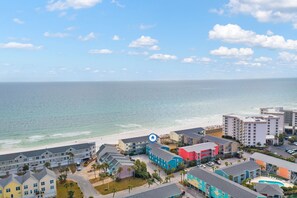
[(251, 130), (160, 155), (109, 154), (169, 190), (199, 152), (30, 185), (214, 185), (276, 166), (178, 136), (134, 146), (227, 148), (56, 156), (288, 116), (240, 172)]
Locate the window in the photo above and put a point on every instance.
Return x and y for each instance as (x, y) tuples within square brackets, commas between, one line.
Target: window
[(42, 183), (25, 186), (18, 188), (35, 185), (42, 189), (8, 190), (26, 192), (52, 181), (52, 187), (35, 191)]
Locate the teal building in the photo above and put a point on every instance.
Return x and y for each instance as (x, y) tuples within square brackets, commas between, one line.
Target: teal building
[(215, 186)]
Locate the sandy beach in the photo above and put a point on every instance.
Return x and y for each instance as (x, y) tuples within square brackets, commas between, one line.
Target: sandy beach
[(113, 138)]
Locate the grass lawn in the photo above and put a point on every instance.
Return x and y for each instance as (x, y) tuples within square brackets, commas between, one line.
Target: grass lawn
[(62, 191), (121, 185)]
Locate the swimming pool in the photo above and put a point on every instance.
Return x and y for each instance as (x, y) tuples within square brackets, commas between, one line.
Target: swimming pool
[(280, 184)]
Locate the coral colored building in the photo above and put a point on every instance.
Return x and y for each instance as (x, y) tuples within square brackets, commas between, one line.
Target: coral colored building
[(200, 152), (276, 166)]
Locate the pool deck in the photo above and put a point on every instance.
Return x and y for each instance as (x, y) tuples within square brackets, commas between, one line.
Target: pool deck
[(286, 183)]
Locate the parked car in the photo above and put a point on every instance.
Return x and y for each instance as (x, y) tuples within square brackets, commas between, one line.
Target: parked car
[(218, 162), (295, 143), (210, 164), (78, 168), (201, 166)]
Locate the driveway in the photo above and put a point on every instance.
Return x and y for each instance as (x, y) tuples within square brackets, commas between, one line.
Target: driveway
[(85, 186)]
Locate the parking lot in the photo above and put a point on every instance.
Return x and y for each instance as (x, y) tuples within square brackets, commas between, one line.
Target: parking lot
[(281, 150)]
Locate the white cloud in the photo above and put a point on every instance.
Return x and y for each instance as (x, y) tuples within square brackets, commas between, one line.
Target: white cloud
[(232, 52), (70, 28), (217, 11), (143, 41), (15, 45), (18, 21), (269, 33), (116, 38), (100, 51), (55, 35), (117, 3), (266, 10), (88, 37), (249, 64), (75, 4), (231, 33), (194, 59), (288, 57), (155, 48), (146, 26), (144, 53), (163, 57), (124, 69), (263, 59)]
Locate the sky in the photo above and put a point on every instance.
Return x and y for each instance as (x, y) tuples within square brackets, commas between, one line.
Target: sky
[(122, 40)]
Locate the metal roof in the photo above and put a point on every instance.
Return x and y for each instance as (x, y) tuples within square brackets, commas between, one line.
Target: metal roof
[(199, 147), (163, 154), (136, 139), (39, 152), (275, 161), (217, 140), (160, 191), (189, 131), (269, 189), (231, 188), (238, 169)]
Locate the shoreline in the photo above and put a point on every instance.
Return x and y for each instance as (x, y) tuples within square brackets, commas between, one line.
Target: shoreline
[(109, 139)]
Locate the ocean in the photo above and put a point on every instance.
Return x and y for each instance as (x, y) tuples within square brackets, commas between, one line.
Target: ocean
[(36, 114)]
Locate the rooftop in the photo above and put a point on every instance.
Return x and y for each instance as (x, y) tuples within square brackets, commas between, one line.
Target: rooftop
[(237, 169), (226, 185), (160, 191), (269, 189), (39, 152), (275, 161), (200, 147), (189, 131), (217, 140), (164, 154), (136, 139)]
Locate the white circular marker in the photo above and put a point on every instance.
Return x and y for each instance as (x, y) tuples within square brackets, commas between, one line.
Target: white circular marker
[(153, 137)]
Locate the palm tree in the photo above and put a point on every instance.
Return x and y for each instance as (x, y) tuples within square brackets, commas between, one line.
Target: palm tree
[(159, 170), (129, 188), (181, 176), (71, 185), (150, 182), (47, 165), (94, 167), (114, 190), (66, 186), (120, 169), (70, 194), (71, 156), (129, 170), (66, 170)]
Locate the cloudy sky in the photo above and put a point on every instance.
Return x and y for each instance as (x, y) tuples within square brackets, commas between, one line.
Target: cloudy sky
[(106, 40)]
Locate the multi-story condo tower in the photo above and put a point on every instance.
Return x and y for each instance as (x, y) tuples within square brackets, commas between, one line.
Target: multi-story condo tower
[(289, 116), (252, 130)]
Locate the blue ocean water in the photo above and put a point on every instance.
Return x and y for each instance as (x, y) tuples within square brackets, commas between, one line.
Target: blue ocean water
[(33, 114)]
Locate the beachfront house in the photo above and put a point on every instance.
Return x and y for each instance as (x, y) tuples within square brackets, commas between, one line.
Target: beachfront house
[(116, 161), (214, 185), (169, 190), (276, 166), (199, 152), (134, 145), (29, 185), (160, 155), (240, 172), (55, 156)]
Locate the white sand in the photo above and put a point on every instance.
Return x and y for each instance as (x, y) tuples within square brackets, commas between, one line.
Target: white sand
[(113, 138)]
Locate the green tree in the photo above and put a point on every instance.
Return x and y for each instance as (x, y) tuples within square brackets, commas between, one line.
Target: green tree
[(70, 194), (94, 168), (25, 167), (47, 165), (114, 190)]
